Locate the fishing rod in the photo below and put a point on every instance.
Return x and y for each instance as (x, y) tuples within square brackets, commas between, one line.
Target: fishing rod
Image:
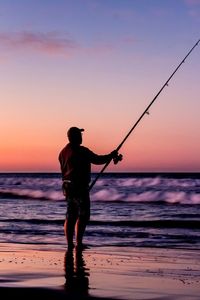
[(146, 111)]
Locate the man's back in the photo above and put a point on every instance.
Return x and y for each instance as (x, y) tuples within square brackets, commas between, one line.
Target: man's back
[(75, 162)]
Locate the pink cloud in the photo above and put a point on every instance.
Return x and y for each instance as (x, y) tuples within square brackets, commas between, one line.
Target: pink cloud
[(52, 43), (192, 2), (48, 43), (194, 13), (130, 40), (193, 8)]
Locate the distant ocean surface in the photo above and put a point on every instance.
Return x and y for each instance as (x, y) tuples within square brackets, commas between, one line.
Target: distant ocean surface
[(127, 209)]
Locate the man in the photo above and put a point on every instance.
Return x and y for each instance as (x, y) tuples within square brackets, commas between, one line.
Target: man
[(75, 163)]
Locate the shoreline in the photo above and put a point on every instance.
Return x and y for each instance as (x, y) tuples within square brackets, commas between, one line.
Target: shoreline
[(100, 272), (124, 174)]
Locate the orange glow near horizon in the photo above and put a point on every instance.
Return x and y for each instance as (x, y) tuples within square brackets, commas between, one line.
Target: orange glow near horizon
[(139, 154)]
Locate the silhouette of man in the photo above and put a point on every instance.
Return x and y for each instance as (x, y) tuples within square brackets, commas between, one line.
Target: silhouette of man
[(75, 163)]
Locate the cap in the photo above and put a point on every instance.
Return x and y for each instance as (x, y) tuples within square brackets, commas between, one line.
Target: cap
[(73, 131)]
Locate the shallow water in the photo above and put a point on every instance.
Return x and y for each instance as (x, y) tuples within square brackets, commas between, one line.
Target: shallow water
[(127, 209)]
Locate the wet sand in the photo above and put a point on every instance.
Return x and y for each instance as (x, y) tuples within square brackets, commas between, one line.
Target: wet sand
[(99, 272)]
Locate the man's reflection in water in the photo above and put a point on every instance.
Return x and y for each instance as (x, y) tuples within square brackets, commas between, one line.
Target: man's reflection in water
[(76, 273)]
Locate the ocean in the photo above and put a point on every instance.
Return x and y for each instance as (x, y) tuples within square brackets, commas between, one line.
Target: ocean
[(160, 210)]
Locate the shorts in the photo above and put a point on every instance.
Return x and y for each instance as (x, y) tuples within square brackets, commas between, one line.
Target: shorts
[(78, 201)]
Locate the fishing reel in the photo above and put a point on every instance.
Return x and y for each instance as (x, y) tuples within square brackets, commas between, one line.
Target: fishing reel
[(118, 158)]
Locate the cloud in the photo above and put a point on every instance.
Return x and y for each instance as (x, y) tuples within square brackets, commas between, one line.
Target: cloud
[(50, 43), (192, 2), (193, 8), (53, 43), (129, 40)]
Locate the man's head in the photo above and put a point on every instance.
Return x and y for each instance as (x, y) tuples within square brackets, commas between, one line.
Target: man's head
[(74, 135)]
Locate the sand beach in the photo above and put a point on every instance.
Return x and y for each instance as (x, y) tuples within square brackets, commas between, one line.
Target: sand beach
[(99, 272)]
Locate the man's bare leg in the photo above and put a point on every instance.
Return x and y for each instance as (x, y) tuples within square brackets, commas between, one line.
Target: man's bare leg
[(69, 226), (80, 230)]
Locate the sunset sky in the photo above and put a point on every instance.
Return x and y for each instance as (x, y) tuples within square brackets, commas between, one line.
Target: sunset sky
[(97, 64)]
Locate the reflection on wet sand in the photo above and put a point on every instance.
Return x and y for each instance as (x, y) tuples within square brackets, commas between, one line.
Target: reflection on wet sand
[(76, 273)]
